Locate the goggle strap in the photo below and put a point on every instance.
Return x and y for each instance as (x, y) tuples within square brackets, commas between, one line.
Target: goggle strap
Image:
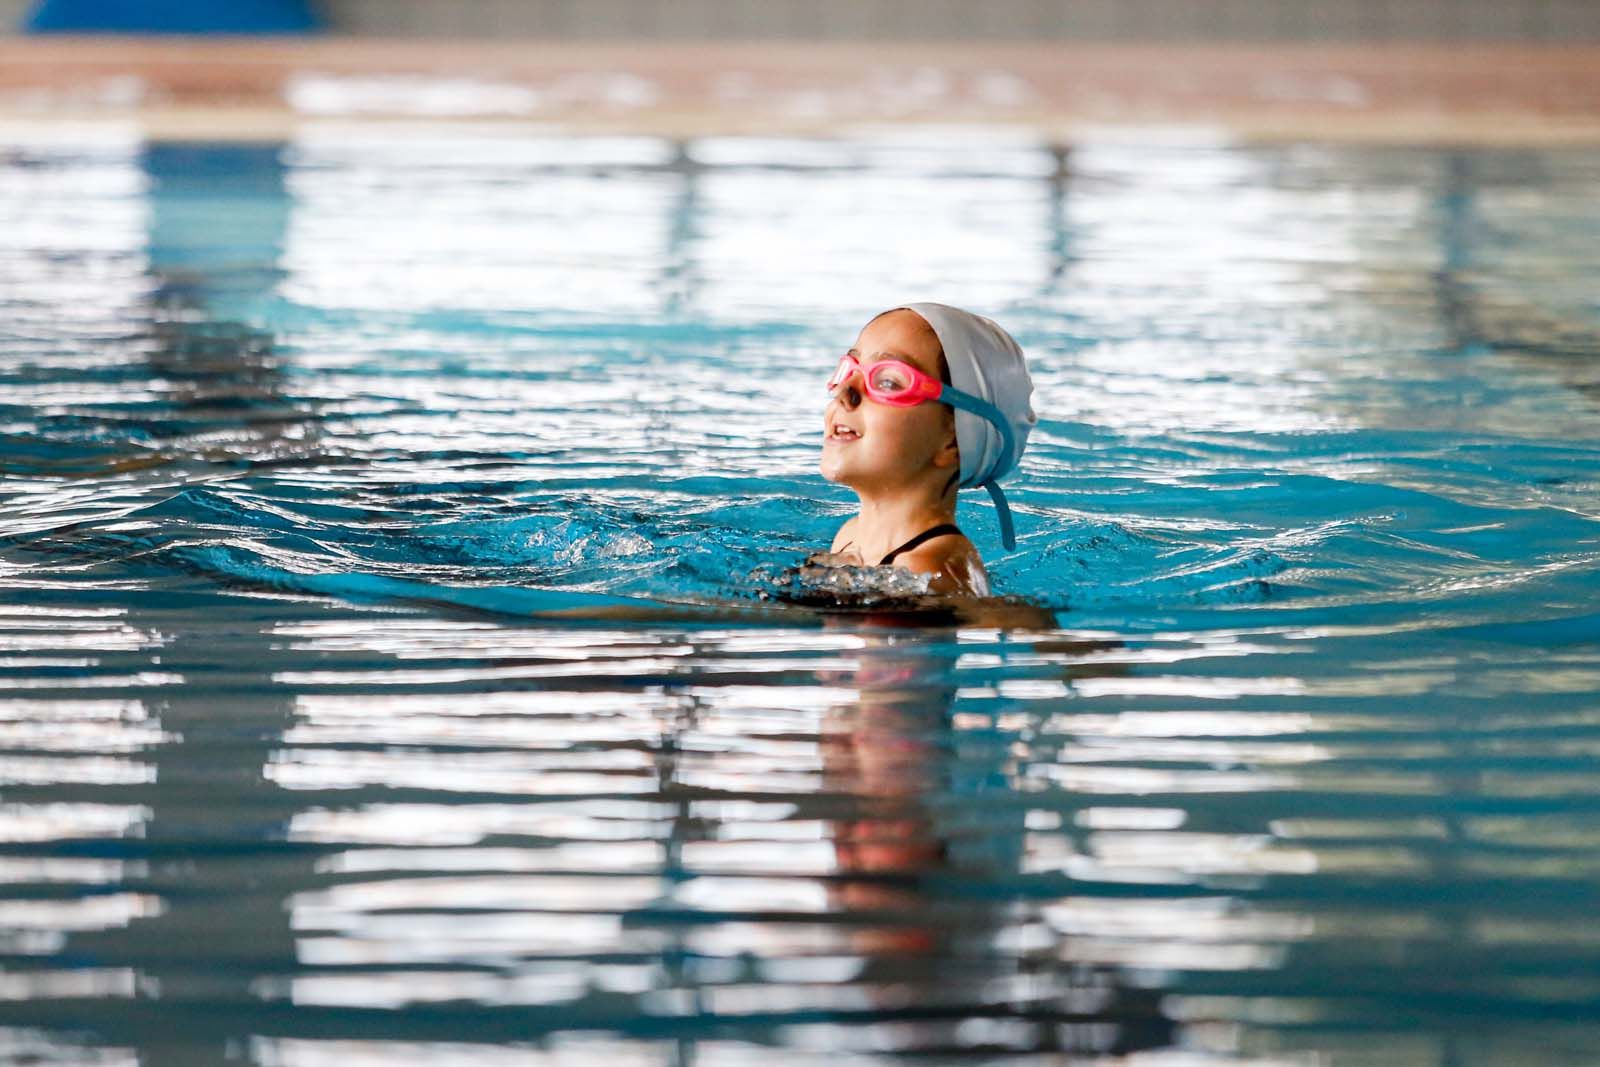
[(1002, 510), (985, 410), (1008, 448)]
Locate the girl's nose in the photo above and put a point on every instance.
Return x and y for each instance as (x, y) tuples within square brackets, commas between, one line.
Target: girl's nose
[(848, 393)]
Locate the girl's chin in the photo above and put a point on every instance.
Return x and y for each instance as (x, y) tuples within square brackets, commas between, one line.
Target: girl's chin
[(861, 471), (838, 473), (860, 481)]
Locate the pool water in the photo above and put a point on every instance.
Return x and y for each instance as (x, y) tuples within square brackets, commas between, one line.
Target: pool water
[(341, 481)]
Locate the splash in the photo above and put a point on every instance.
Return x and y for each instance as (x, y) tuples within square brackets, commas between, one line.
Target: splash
[(824, 580)]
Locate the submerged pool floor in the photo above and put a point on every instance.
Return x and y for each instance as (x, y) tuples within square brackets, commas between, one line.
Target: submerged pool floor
[(302, 446)]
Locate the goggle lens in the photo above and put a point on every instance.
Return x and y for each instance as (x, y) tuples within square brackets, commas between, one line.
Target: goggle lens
[(841, 373), (883, 380), (888, 380)]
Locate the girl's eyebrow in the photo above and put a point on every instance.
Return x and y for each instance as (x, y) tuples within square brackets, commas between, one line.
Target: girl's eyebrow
[(881, 353)]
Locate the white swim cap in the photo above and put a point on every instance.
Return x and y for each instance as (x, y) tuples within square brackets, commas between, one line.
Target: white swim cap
[(985, 362)]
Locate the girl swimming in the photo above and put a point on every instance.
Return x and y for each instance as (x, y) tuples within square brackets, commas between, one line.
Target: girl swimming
[(930, 400)]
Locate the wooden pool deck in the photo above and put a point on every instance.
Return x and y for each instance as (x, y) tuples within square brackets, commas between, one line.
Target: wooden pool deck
[(268, 89)]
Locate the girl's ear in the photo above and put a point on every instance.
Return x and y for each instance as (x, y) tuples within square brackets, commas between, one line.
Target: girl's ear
[(949, 454)]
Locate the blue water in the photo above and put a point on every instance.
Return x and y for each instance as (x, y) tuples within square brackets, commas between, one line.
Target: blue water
[(386, 677)]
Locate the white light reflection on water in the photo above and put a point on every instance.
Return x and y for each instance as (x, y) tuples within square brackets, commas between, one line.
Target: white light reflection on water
[(528, 238), (74, 256), (605, 821), (68, 820), (35, 1045), (99, 912), (877, 220), (574, 1052), (1259, 248), (557, 774)]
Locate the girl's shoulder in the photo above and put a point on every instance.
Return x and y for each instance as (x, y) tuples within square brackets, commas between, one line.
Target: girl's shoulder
[(954, 563), (845, 535)]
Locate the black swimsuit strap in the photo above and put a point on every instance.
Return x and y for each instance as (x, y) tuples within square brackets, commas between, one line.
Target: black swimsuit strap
[(926, 535)]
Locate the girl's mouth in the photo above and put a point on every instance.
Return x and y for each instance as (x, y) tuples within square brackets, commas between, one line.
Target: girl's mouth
[(843, 433)]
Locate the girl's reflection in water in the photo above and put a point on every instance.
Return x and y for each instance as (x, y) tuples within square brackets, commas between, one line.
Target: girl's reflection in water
[(879, 756), (929, 832)]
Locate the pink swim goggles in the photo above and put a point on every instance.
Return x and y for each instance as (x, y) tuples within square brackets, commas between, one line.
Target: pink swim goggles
[(895, 382), (888, 381)]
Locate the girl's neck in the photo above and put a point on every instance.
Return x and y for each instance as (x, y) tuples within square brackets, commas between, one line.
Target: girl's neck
[(887, 522)]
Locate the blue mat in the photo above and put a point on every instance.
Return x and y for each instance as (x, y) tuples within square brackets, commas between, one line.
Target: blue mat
[(173, 16)]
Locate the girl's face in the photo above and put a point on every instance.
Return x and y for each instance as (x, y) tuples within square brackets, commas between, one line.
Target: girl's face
[(867, 445)]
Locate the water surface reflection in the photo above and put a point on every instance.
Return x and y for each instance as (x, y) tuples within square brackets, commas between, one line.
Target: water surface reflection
[(805, 871), (1305, 778)]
